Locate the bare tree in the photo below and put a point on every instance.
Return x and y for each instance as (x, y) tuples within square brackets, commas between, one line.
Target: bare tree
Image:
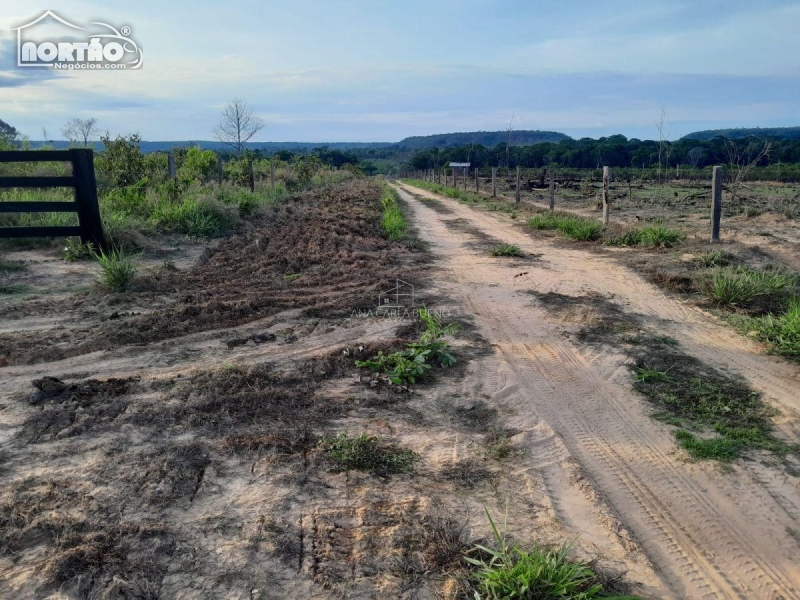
[(238, 124), (80, 130), (741, 160), (695, 156), (508, 140), (664, 129)]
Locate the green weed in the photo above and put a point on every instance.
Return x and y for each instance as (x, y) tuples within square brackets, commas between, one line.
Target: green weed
[(75, 249), (415, 362), (508, 571), (367, 453)]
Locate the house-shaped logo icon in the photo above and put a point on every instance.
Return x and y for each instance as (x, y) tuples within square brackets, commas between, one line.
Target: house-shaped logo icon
[(400, 296)]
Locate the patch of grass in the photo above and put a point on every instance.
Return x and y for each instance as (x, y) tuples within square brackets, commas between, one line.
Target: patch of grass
[(506, 250), (75, 249), (781, 332), (367, 453), (393, 222), (696, 397), (498, 444), (713, 258), (571, 226), (742, 286), (414, 363), (13, 289), (509, 571), (646, 374), (654, 236), (6, 267), (660, 236), (117, 270)]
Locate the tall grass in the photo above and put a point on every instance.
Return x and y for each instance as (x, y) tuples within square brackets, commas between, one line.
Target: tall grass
[(571, 226), (393, 222), (741, 286), (117, 270), (780, 332)]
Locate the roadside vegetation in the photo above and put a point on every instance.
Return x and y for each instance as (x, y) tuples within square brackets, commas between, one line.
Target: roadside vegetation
[(138, 200), (571, 226), (393, 221)]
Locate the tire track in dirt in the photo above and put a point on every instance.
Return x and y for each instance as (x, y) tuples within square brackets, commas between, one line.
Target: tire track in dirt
[(709, 534)]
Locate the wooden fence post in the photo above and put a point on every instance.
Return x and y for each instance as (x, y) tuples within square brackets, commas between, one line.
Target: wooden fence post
[(220, 172), (494, 182), (252, 176), (272, 172), (476, 180), (517, 191), (466, 176), (552, 189), (605, 196), (716, 202), (455, 180), (86, 197), (171, 166)]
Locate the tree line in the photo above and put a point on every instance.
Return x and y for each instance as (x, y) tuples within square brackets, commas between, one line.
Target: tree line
[(616, 151)]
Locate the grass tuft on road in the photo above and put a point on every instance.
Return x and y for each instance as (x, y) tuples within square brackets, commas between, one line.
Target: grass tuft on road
[(781, 332), (506, 250), (117, 270), (741, 287)]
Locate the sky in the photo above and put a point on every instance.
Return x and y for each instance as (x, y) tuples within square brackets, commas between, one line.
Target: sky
[(381, 71)]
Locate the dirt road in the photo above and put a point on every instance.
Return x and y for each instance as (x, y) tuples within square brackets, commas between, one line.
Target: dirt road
[(707, 532)]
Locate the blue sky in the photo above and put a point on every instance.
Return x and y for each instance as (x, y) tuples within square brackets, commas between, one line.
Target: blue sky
[(381, 71)]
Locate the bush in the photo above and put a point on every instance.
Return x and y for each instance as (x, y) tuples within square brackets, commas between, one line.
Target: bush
[(659, 236), (198, 165), (121, 163)]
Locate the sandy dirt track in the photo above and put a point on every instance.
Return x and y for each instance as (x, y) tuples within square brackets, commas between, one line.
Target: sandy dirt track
[(707, 532)]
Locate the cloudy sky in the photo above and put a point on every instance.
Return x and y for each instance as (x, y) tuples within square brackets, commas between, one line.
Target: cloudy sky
[(380, 71)]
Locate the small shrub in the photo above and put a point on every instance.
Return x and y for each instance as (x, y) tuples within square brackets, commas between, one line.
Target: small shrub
[(117, 270), (506, 250), (367, 453)]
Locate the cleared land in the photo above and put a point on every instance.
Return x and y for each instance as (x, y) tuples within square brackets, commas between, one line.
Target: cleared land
[(209, 434)]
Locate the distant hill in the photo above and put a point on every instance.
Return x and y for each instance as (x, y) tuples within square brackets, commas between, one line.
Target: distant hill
[(490, 139), (781, 133), (267, 147)]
